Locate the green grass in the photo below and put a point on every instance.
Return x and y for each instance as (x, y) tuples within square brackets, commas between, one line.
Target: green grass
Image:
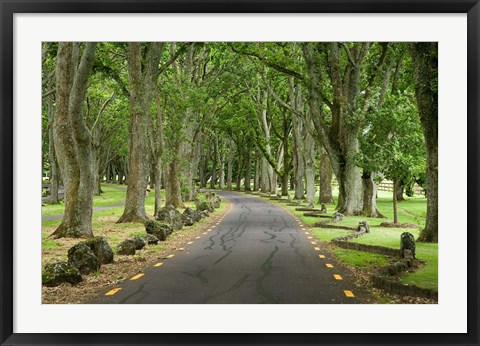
[(327, 234), (112, 194), (360, 259), (48, 243), (427, 275)]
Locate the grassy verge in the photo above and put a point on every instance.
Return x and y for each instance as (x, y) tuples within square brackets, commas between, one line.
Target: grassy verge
[(104, 224), (412, 210), (112, 194)]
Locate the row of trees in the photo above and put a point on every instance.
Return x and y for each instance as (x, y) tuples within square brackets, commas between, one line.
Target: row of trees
[(274, 116)]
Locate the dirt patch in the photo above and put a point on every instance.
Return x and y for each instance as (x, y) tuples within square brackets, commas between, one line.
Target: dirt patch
[(398, 225), (123, 267)]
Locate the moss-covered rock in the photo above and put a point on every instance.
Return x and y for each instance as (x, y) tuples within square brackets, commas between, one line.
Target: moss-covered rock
[(101, 249), (158, 229), (151, 239), (190, 216), (127, 247), (57, 273), (205, 206), (139, 242), (171, 216), (82, 257)]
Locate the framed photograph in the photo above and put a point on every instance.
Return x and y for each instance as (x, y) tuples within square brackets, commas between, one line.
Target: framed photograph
[(257, 172)]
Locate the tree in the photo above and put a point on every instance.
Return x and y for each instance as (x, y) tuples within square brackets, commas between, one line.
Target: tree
[(393, 144), (425, 58), (73, 138), (143, 74)]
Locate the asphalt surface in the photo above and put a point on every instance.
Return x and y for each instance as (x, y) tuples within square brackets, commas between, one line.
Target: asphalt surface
[(258, 253)]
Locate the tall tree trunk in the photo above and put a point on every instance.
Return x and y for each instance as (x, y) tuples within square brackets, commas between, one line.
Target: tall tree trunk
[(248, 169), (425, 59), (310, 168), (350, 181), (221, 182), (264, 182), (73, 139), (203, 167), (229, 169), (338, 135), (395, 208), (286, 160), (239, 170), (213, 180), (54, 170), (256, 179), (325, 193), (157, 176), (173, 188), (142, 83), (400, 190), (370, 196)]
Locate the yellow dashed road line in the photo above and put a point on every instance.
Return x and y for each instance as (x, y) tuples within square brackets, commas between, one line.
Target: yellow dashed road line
[(112, 292), (337, 277), (349, 294), (158, 264), (321, 256), (329, 265), (181, 249), (310, 237), (136, 277), (318, 249), (190, 242), (197, 237), (204, 233), (314, 242), (170, 256)]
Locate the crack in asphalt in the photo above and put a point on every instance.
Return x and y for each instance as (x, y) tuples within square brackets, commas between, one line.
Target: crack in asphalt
[(235, 286), (266, 268), (198, 275)]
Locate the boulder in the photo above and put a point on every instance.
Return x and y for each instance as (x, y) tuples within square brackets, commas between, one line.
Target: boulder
[(205, 206), (323, 208), (101, 249), (190, 216), (213, 198), (337, 217), (83, 258), (158, 229), (127, 247), (139, 242), (171, 216), (57, 273), (363, 227), (151, 239), (203, 214)]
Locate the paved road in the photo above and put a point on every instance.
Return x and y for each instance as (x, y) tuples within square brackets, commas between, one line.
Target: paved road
[(258, 253)]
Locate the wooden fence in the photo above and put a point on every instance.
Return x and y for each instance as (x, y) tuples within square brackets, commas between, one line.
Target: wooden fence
[(387, 185)]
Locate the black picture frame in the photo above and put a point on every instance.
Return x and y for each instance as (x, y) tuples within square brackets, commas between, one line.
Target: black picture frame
[(10, 7)]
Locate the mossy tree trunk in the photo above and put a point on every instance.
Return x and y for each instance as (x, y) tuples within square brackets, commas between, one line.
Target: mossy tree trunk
[(370, 195), (54, 169), (325, 193), (425, 61), (142, 81), (348, 106), (73, 138)]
